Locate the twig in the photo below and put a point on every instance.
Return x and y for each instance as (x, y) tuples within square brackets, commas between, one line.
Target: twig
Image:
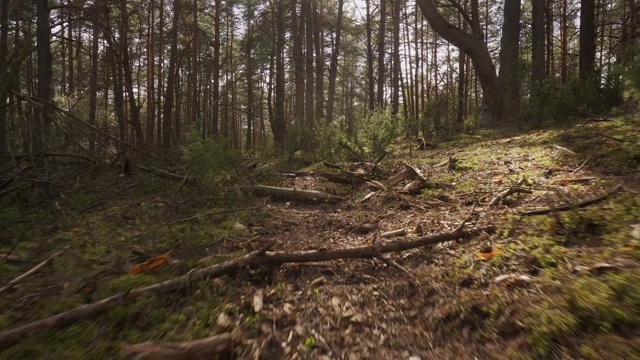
[(512, 190), (574, 206), (581, 165), (466, 220), (564, 149), (393, 233), (33, 270), (226, 211)]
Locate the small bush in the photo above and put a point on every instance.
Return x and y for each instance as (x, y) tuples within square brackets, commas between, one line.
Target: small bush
[(209, 157)]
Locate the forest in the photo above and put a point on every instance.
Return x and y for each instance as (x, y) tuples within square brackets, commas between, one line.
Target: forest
[(319, 179)]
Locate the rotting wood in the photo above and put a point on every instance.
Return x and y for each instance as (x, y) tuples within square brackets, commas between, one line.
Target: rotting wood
[(296, 195), (393, 233), (33, 270), (573, 206), (256, 258), (194, 349), (397, 178)]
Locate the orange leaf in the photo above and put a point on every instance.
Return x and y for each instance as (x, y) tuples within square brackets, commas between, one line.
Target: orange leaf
[(488, 256), (151, 264)]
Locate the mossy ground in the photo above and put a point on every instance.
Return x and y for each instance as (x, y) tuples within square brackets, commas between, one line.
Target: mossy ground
[(571, 308)]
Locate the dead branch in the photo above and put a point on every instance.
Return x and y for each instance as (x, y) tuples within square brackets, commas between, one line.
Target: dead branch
[(163, 174), (574, 206), (212, 213), (345, 177), (581, 165), (397, 178), (296, 195), (256, 258), (33, 270), (516, 189), (205, 348), (562, 148)]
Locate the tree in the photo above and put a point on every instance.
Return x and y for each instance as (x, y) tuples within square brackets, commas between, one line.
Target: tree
[(297, 33), (168, 109), (333, 68), (587, 56), (42, 120), (537, 60), (278, 125), (4, 83), (395, 79), (381, 52), (510, 61), (307, 15), (474, 46)]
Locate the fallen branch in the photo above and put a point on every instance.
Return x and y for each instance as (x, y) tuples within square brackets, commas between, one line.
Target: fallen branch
[(256, 258), (393, 233), (581, 165), (11, 336), (564, 149), (33, 270), (574, 206), (195, 349), (332, 165), (516, 189), (163, 174), (212, 213), (296, 195)]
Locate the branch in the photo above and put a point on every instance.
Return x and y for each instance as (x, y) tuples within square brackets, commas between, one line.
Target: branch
[(577, 205)]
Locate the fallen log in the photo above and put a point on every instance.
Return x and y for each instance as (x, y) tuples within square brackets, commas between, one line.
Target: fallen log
[(296, 195), (205, 348), (256, 258), (33, 270), (573, 206)]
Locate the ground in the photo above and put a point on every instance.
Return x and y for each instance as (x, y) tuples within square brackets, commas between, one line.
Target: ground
[(559, 285)]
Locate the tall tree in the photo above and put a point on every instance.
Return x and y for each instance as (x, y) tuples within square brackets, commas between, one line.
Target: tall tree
[(333, 68), (510, 61), (587, 56), (42, 120), (537, 60), (278, 125), (168, 110), (4, 81), (395, 78), (319, 47), (307, 15), (297, 33), (474, 46), (370, 79), (381, 52), (215, 93)]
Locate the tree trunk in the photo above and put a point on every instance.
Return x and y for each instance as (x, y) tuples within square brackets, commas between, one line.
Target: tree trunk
[(168, 107), (215, 93), (4, 80), (93, 83), (475, 48), (307, 15), (395, 79), (297, 33), (42, 120), (333, 69), (370, 79), (587, 58), (250, 74), (150, 74), (278, 125), (564, 73), (510, 61), (319, 45), (537, 61), (381, 52), (550, 68)]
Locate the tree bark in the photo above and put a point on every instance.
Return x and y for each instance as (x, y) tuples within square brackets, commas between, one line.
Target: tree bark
[(381, 53), (307, 15), (4, 78), (297, 33), (370, 79), (510, 61), (319, 45), (395, 78), (537, 61), (587, 56), (278, 125), (215, 93), (167, 116), (333, 69), (42, 120)]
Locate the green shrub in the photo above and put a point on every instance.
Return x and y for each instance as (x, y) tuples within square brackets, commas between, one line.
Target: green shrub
[(209, 157)]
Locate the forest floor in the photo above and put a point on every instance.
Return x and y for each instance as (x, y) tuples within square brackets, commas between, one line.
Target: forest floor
[(559, 285)]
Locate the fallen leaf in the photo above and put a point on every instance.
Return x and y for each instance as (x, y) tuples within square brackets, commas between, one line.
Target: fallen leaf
[(513, 279), (151, 264), (484, 256)]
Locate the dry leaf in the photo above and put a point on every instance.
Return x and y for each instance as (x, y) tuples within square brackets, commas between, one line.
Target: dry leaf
[(484, 256), (151, 264)]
